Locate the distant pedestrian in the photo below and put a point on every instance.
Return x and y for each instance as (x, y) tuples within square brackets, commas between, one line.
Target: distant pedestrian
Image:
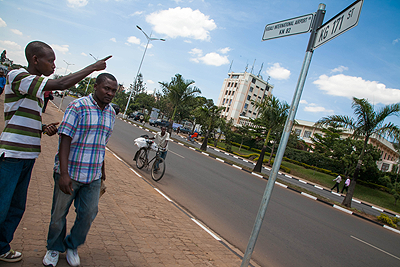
[(23, 128), (338, 179), (346, 185), (48, 95), (79, 168)]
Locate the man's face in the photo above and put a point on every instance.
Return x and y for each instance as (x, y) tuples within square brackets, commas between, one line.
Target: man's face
[(105, 91), (44, 62), (163, 130)]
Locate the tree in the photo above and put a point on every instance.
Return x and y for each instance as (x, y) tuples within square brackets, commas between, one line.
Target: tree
[(142, 101), (179, 92), (244, 132), (207, 115), (273, 114), (367, 122)]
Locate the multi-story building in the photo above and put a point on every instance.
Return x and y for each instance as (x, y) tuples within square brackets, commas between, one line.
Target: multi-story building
[(305, 130), (238, 94)]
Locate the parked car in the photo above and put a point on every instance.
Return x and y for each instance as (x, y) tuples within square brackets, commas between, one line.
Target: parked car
[(161, 123), (115, 107), (152, 121), (136, 116), (58, 93), (185, 130)]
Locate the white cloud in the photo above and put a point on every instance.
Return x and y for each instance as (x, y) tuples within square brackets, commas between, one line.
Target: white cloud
[(349, 86), (2, 23), (17, 32), (224, 50), (214, 59), (278, 72), (182, 22), (84, 54), (339, 69), (394, 41), (10, 44), (133, 40), (113, 40), (312, 107), (148, 46), (149, 82), (137, 13), (60, 48), (188, 41), (77, 3), (196, 52), (303, 102)]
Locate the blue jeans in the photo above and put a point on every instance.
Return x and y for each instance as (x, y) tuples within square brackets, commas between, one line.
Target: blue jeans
[(162, 155), (15, 175), (86, 200)]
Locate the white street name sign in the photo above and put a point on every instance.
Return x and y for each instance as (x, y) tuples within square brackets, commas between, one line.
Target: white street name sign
[(339, 24), (288, 27)]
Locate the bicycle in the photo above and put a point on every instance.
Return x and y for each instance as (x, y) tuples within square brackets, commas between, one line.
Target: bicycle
[(142, 158)]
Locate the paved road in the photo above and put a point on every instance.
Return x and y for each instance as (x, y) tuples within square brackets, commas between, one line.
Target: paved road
[(297, 231)]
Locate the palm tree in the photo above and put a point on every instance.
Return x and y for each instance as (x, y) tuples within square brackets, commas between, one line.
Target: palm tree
[(179, 91), (273, 117), (367, 122), (207, 115)]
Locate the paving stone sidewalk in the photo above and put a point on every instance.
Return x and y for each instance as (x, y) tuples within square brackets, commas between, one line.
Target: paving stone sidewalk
[(135, 226)]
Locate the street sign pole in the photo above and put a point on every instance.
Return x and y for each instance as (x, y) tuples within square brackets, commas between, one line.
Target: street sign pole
[(285, 137)]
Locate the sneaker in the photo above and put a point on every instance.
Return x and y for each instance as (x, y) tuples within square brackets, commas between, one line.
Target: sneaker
[(11, 256), (51, 258), (73, 257)]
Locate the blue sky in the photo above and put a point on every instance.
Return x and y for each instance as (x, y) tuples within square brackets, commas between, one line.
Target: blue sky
[(204, 37)]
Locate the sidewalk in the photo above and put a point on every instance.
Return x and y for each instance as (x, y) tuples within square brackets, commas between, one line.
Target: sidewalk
[(135, 226)]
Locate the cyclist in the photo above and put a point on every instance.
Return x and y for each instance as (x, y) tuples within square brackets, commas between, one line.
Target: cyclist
[(162, 141)]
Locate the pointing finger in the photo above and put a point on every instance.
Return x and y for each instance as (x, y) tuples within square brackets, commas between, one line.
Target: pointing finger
[(106, 58)]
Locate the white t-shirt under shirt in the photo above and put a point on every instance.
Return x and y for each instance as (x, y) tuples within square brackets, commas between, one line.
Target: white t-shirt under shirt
[(162, 141), (22, 115)]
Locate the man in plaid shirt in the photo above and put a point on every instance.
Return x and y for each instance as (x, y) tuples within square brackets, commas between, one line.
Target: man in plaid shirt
[(79, 167)]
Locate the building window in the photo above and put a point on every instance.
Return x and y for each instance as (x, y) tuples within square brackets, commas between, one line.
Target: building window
[(248, 97), (235, 76), (297, 132), (267, 88), (230, 102), (235, 84), (223, 101), (385, 156), (229, 84), (246, 105), (233, 92), (258, 87), (259, 97), (226, 92), (385, 167), (253, 80), (227, 109), (255, 95), (254, 113), (229, 93), (307, 134), (251, 89)]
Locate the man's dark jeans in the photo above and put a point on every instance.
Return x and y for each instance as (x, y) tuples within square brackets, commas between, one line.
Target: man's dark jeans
[(15, 175)]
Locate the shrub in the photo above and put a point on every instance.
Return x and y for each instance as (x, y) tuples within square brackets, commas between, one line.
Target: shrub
[(388, 220)]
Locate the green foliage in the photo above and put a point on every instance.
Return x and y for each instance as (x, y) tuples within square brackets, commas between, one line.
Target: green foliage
[(390, 221)]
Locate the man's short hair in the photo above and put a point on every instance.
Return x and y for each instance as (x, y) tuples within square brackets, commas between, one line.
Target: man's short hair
[(103, 76), (35, 48)]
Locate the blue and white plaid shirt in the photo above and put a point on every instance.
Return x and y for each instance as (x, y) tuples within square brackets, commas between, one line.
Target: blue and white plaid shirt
[(90, 129)]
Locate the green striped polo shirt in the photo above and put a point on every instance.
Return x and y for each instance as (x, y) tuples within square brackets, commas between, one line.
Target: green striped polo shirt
[(22, 115)]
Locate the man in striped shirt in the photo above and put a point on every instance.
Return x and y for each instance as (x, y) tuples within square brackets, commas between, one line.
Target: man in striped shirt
[(79, 168), (20, 139)]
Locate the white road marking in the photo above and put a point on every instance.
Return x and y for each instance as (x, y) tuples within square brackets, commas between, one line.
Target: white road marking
[(161, 193), (342, 209), (176, 154), (205, 229), (375, 247)]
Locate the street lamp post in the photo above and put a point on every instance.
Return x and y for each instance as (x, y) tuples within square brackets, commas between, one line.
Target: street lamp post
[(90, 77), (59, 107), (148, 41)]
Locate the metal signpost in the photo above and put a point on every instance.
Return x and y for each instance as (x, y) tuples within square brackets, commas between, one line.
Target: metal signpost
[(328, 31)]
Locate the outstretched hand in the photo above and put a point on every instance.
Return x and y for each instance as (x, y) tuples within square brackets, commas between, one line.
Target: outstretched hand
[(101, 64)]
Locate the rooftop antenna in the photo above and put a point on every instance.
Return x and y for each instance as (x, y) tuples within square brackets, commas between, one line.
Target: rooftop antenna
[(230, 67), (252, 68), (260, 70)]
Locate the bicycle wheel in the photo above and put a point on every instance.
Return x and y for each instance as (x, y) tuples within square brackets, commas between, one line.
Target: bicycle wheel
[(157, 172), (142, 158)]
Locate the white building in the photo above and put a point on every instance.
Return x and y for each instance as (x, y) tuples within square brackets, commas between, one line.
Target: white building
[(238, 93)]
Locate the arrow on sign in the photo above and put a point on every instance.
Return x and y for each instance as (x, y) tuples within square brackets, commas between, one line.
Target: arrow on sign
[(339, 24)]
